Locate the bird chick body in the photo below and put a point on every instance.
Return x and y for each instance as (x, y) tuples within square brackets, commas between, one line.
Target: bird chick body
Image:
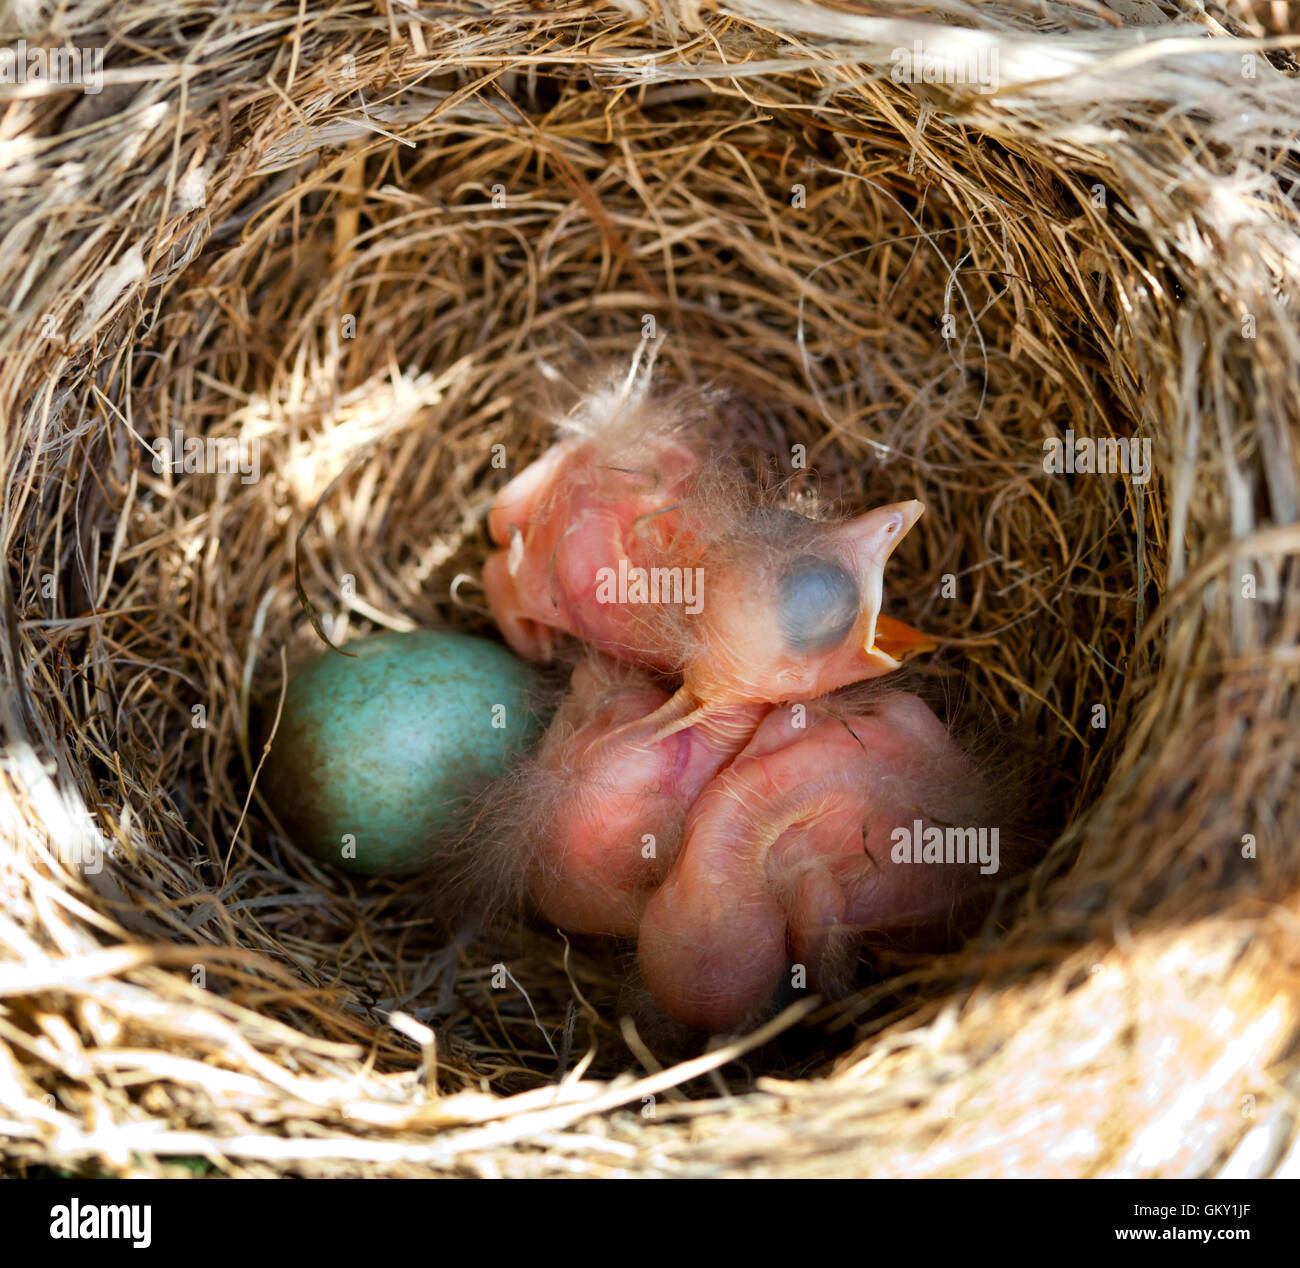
[(710, 823), (758, 604), (788, 858), (754, 840), (612, 822), (567, 522)]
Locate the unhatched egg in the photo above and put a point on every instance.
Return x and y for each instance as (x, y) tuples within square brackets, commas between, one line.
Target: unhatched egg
[(378, 756)]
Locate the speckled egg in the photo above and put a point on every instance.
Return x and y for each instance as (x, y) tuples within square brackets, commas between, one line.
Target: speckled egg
[(378, 757)]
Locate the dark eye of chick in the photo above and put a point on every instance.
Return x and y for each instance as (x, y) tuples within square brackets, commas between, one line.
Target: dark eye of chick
[(817, 604)]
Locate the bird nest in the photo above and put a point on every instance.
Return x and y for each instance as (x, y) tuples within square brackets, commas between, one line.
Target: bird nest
[(347, 259)]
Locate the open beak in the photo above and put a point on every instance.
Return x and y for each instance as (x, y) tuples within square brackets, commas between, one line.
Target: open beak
[(889, 642), (896, 641)]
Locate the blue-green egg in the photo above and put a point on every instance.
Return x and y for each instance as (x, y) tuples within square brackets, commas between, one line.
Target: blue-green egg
[(379, 756)]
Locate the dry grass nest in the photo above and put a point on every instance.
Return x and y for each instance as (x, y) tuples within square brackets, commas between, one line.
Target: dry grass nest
[(362, 241)]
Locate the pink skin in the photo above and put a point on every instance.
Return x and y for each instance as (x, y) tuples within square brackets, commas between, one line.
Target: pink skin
[(590, 872), (742, 655), (573, 513), (564, 518), (773, 871)]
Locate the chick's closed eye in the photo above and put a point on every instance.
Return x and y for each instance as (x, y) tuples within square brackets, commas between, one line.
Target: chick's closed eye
[(817, 604)]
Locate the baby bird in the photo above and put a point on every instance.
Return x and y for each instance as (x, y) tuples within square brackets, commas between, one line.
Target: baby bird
[(733, 831), (793, 609), (567, 521), (793, 855), (607, 817), (625, 538)]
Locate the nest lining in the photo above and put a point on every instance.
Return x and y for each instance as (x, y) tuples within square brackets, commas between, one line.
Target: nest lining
[(377, 315)]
